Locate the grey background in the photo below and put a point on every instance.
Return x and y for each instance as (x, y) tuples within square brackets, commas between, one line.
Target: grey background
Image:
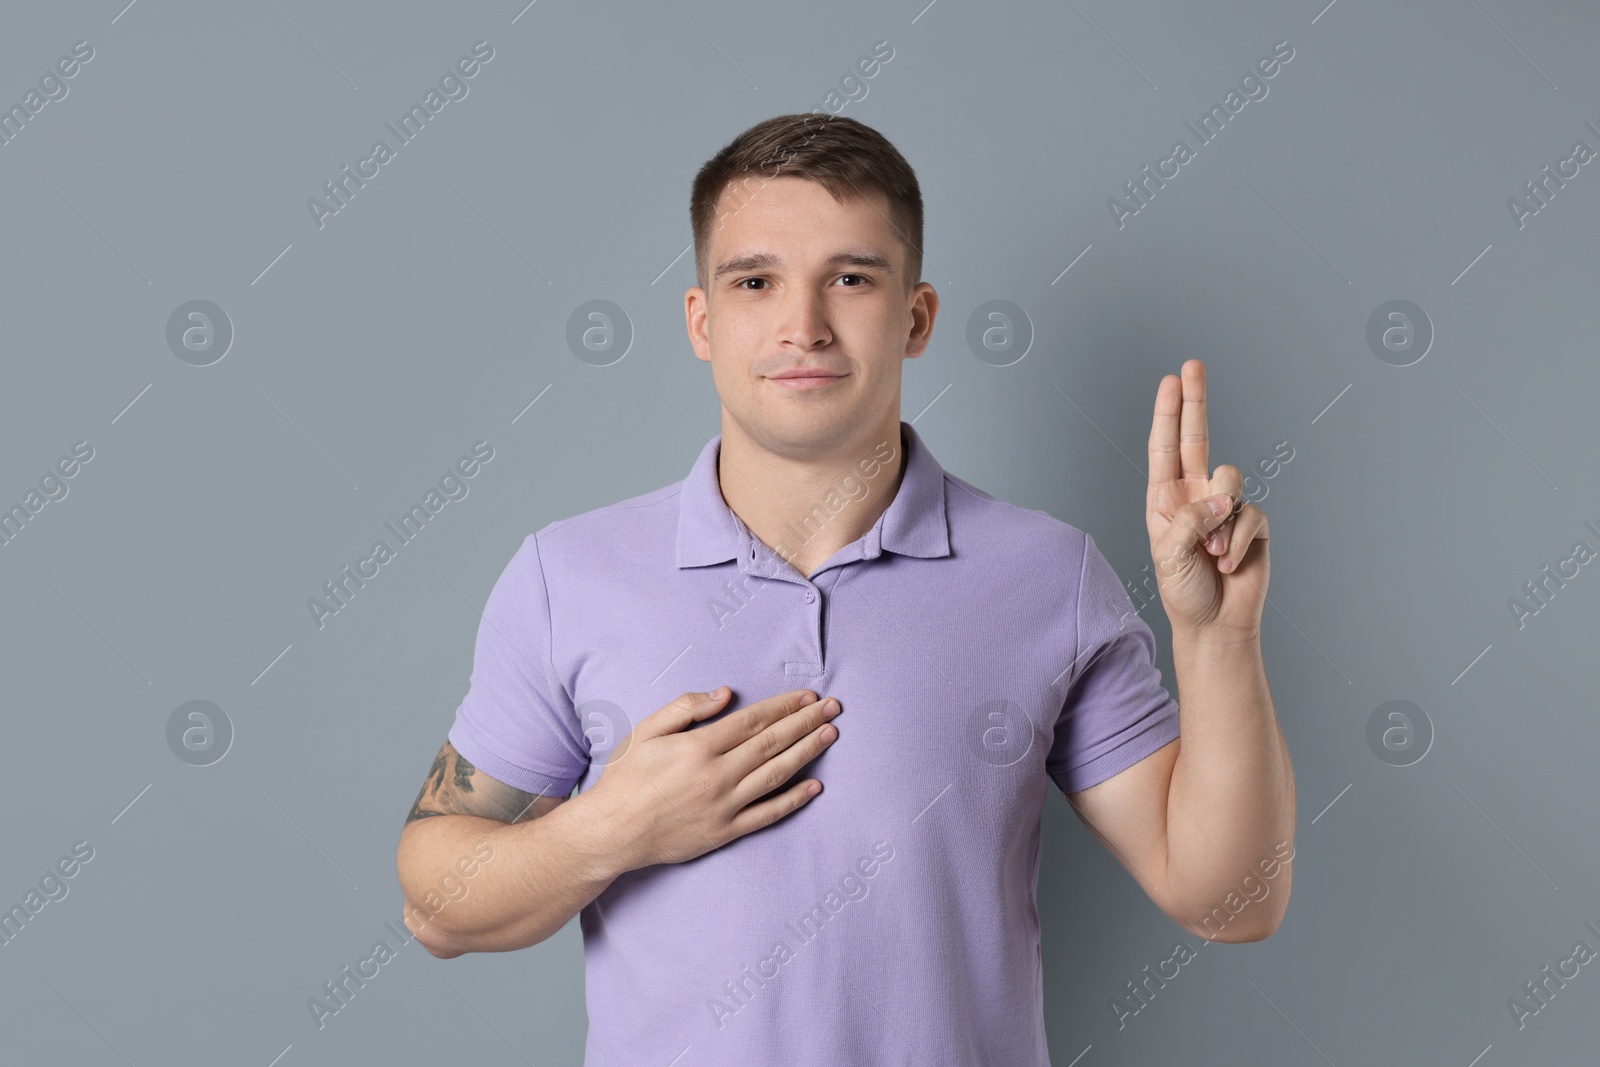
[(432, 310)]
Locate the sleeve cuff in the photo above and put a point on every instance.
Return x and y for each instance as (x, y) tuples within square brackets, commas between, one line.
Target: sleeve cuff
[(526, 779), (1162, 732)]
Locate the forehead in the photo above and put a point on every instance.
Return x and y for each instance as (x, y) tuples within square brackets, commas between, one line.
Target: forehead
[(793, 217)]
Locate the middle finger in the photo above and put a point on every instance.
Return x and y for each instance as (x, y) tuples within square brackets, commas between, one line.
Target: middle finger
[(780, 736)]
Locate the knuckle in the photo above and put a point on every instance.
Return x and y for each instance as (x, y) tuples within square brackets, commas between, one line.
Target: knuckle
[(780, 743), (700, 749), (701, 787), (749, 730), (758, 747)]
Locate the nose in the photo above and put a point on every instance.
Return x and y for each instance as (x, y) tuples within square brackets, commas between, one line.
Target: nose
[(803, 321)]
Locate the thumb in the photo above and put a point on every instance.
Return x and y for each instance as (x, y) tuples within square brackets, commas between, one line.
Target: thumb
[(1191, 526), (684, 709)]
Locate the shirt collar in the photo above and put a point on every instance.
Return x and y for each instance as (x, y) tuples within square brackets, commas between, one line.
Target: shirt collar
[(912, 525)]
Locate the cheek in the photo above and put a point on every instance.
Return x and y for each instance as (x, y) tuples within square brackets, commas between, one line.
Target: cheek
[(888, 346), (868, 328), (728, 337), (894, 326), (728, 382), (735, 349), (735, 331)]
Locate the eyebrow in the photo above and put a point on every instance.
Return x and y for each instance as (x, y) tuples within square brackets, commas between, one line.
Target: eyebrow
[(766, 260)]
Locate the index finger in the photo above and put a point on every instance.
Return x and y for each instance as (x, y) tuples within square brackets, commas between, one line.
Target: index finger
[(1194, 447), (1163, 449), (737, 727)]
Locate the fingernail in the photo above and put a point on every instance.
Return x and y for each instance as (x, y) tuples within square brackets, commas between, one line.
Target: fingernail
[(1221, 505)]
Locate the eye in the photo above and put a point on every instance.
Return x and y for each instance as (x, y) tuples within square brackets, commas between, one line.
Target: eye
[(740, 283), (862, 277)]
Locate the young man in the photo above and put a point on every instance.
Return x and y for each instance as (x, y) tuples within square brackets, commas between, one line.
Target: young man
[(825, 850)]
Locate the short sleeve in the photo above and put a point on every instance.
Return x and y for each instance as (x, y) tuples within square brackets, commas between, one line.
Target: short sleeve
[(1116, 711), (517, 722)]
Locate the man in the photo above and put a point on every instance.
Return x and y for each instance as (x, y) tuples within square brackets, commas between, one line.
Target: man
[(825, 850)]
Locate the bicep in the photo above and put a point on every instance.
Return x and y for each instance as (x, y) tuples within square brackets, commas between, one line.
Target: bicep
[(455, 787), (1127, 813)]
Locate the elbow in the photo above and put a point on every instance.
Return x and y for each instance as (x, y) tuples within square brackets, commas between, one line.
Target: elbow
[(447, 942), (418, 917), (435, 941), (1236, 928), (1234, 933), (1239, 934), (440, 952)]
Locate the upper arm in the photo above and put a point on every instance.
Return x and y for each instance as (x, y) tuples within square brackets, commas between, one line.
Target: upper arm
[(455, 787), (1117, 742), (517, 721), (1128, 814)]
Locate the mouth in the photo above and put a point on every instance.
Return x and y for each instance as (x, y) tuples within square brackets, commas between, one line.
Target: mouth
[(802, 380)]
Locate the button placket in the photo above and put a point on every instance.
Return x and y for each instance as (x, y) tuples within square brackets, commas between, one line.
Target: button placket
[(827, 585)]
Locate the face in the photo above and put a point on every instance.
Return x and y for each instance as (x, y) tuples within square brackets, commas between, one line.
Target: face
[(799, 281)]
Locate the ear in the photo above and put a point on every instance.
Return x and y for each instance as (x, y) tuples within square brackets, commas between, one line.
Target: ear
[(924, 308), (694, 321)]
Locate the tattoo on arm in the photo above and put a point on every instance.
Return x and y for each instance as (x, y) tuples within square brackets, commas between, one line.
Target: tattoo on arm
[(455, 787)]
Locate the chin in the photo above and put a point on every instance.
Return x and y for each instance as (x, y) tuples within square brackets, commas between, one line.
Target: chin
[(793, 428)]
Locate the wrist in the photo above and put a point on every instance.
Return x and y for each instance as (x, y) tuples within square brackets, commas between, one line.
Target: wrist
[(596, 839), (1217, 639)]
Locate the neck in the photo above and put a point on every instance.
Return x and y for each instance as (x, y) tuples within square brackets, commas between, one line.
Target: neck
[(806, 508)]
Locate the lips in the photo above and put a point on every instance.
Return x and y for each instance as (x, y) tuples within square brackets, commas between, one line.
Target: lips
[(807, 372), (805, 379)]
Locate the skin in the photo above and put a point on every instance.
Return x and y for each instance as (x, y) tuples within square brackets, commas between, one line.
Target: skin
[(798, 278), (455, 787), (485, 867), (1196, 816), (777, 298), (1188, 821)]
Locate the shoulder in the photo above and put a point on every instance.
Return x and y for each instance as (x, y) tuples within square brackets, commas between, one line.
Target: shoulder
[(1037, 566), (978, 518), (621, 517), (640, 529), (1024, 557)]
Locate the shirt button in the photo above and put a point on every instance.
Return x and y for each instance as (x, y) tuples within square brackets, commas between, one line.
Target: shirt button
[(810, 596)]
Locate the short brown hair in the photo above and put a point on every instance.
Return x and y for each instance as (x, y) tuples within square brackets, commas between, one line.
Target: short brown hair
[(842, 155)]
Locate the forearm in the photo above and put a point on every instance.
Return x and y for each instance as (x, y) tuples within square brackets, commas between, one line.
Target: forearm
[(1232, 801), (527, 878)]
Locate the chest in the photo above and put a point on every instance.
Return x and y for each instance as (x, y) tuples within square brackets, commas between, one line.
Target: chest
[(949, 699)]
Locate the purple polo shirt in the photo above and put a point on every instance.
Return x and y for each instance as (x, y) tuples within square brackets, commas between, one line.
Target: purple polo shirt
[(976, 647)]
